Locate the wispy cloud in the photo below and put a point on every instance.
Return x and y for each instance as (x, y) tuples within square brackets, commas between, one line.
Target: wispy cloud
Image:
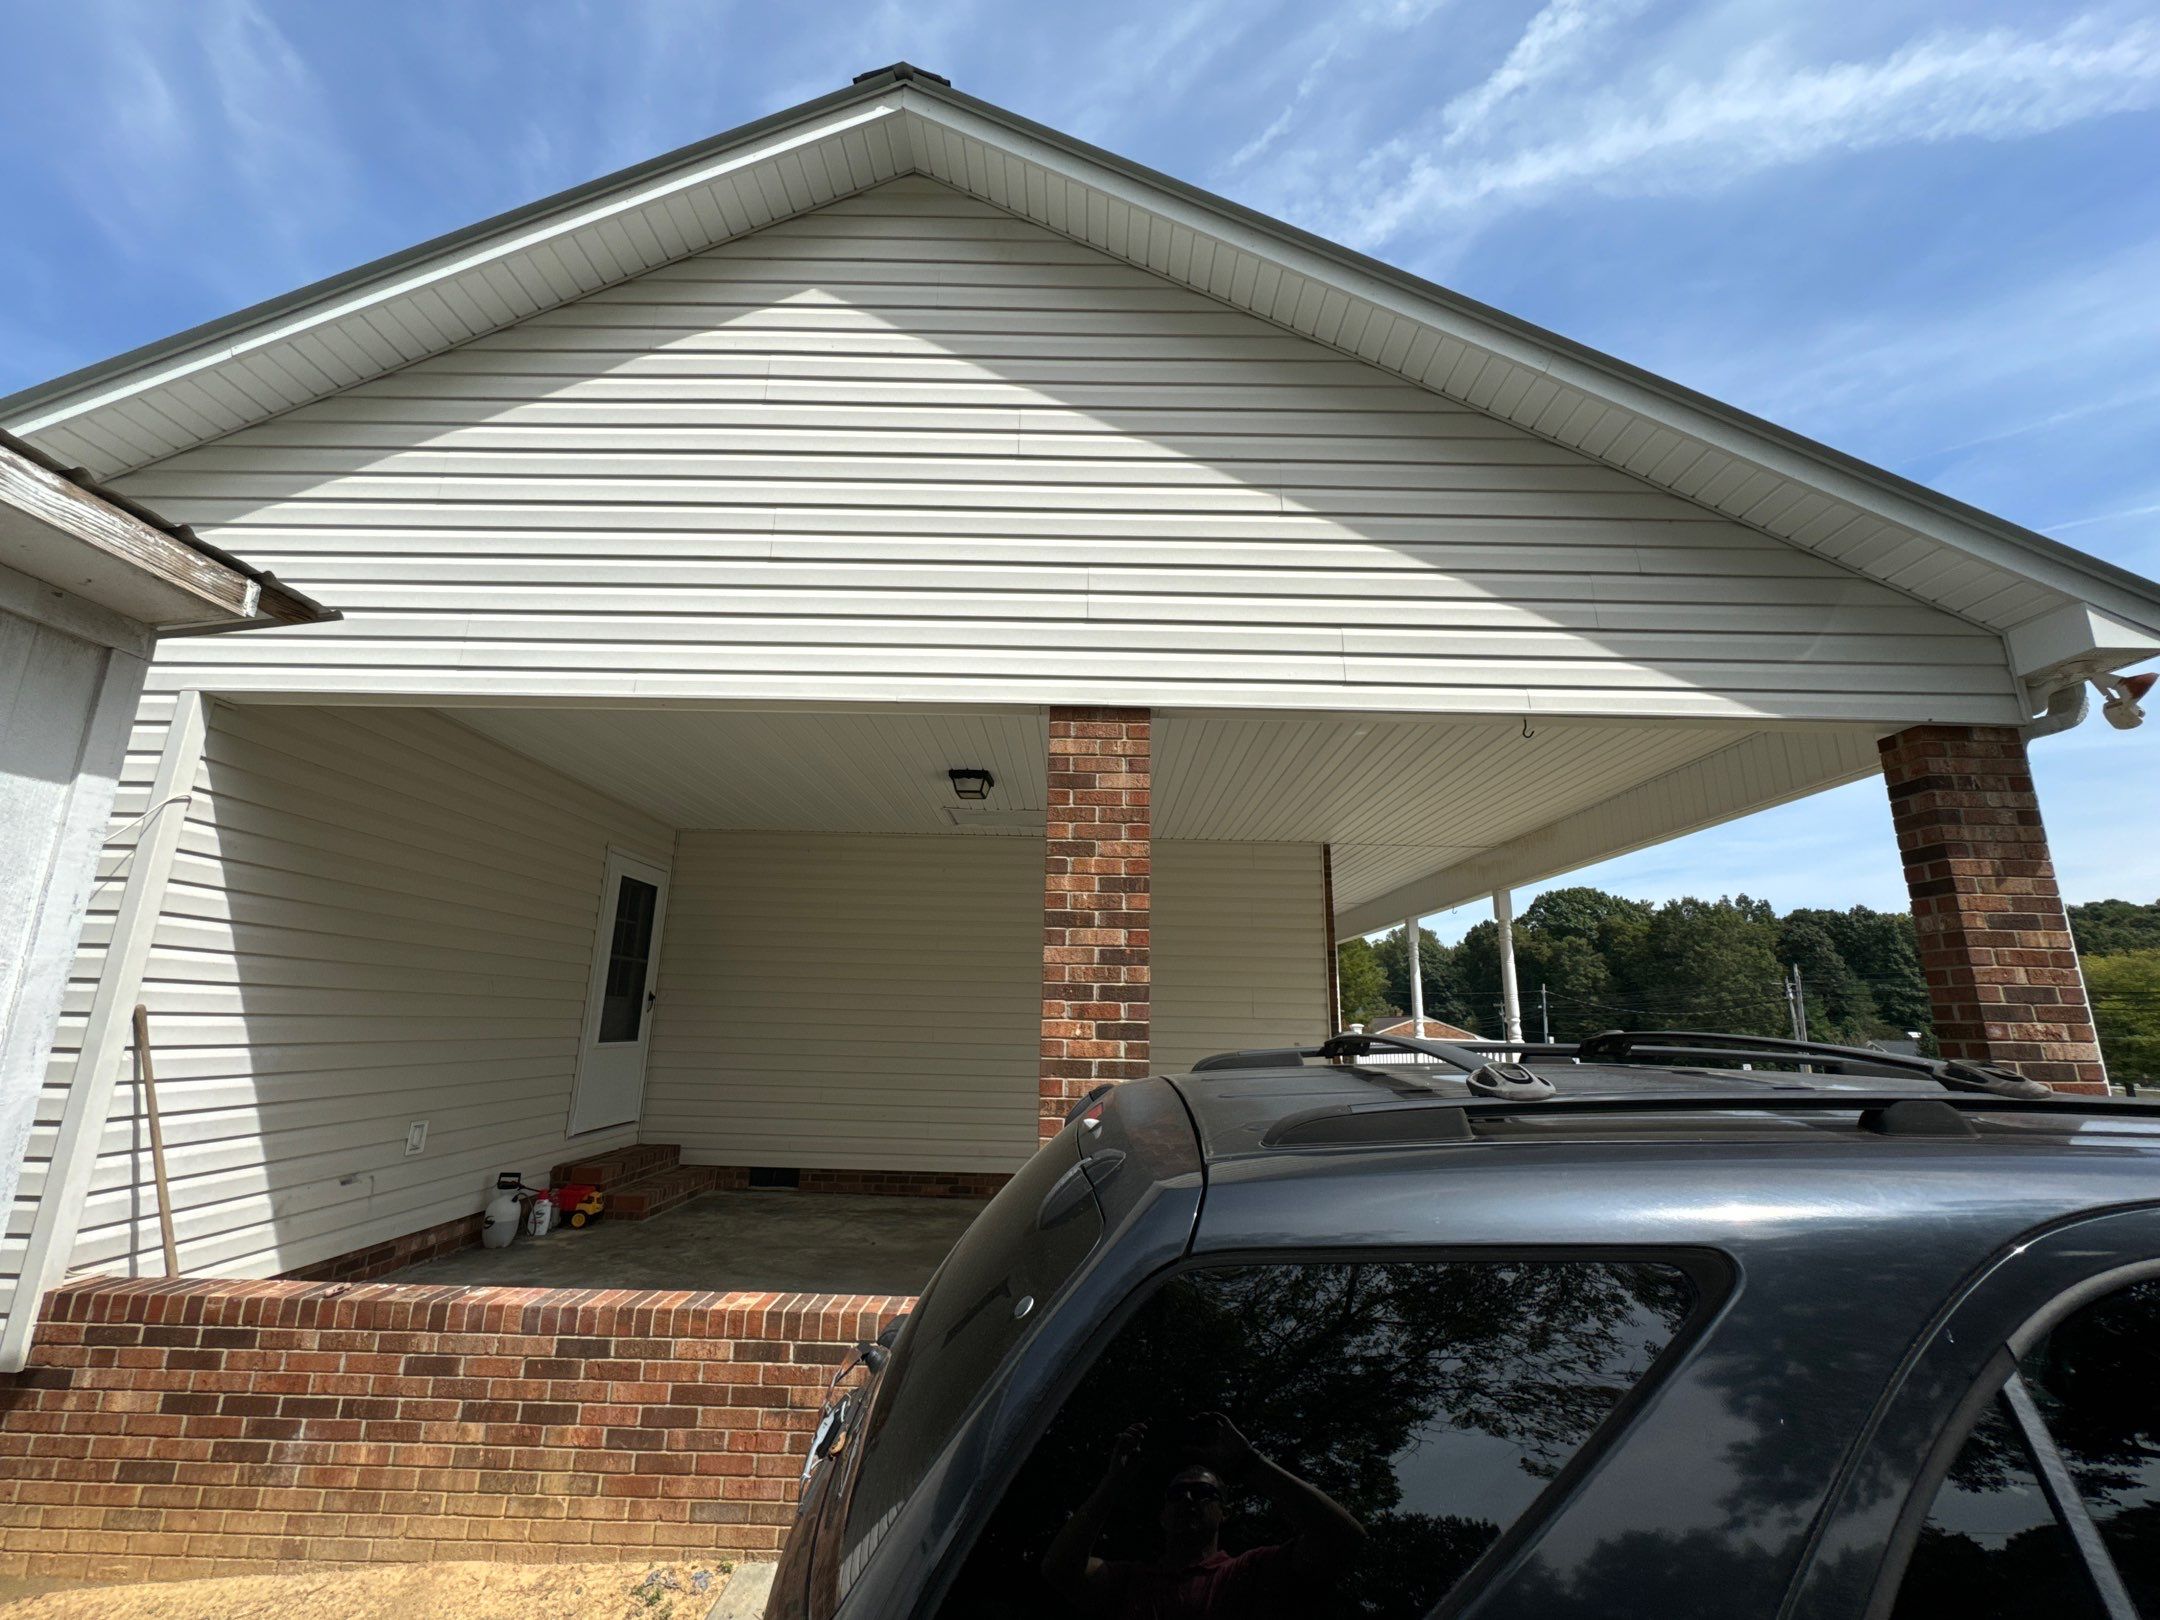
[(211, 98), (1764, 109), (1553, 42)]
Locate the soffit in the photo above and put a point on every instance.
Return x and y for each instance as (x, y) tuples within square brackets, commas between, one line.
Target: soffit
[(1397, 799)]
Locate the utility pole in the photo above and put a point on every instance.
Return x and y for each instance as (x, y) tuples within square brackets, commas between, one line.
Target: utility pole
[(1544, 1004), (1796, 1002)]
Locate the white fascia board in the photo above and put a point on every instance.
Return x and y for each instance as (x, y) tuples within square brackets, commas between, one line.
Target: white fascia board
[(2074, 641), (1612, 386), (505, 247)]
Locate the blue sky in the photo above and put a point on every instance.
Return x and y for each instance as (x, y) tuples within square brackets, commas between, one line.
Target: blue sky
[(1924, 231)]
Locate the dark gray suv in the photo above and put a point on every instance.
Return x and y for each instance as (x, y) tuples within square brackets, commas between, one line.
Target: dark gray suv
[(1664, 1324)]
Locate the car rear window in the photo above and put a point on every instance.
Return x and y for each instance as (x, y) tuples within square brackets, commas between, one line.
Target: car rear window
[(1362, 1433), (967, 1319)]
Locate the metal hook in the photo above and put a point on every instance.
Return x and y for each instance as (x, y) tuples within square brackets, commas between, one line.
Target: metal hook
[(1526, 731)]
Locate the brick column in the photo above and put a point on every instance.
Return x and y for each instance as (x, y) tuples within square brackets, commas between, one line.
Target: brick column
[(1095, 907), (1995, 944)]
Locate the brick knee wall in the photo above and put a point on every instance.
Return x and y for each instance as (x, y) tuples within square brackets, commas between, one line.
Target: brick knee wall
[(877, 1183), (380, 1259), (1097, 852), (207, 1427), (2002, 970)]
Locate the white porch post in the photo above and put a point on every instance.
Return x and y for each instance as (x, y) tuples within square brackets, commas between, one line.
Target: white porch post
[(1417, 981), (1503, 910)]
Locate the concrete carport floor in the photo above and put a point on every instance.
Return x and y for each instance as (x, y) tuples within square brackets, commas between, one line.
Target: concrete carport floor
[(762, 1242)]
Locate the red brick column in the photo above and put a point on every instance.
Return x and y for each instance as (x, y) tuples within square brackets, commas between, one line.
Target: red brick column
[(1994, 940), (1095, 907)]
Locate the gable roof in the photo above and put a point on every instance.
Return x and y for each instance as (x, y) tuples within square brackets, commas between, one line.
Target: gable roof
[(2062, 612)]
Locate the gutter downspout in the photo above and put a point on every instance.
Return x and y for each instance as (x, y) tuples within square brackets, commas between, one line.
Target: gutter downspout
[(2067, 706)]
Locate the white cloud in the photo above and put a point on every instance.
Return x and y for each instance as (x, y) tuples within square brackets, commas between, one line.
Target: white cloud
[(207, 104), (1669, 131), (1554, 40)]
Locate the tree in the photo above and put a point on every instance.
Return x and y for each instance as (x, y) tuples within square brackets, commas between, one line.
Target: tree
[(1711, 964), (2125, 991), (1435, 967), (1587, 914), (2114, 927), (1839, 1006), (1884, 954), (1363, 981)]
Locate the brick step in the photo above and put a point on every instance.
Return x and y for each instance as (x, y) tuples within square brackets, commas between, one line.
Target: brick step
[(618, 1166), (657, 1193)]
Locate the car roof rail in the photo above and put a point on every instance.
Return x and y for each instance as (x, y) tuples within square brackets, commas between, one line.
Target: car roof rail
[(1496, 1068), (1436, 1121), (1691, 1045)]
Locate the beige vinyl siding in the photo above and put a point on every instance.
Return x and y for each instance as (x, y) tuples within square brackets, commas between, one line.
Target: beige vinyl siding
[(857, 1002), (831, 1001), (909, 447), (1239, 947), (375, 916)]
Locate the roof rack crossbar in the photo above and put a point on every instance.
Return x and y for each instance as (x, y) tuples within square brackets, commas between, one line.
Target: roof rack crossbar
[(1359, 1044)]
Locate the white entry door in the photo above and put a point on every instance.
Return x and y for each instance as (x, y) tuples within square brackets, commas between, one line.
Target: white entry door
[(618, 1005)]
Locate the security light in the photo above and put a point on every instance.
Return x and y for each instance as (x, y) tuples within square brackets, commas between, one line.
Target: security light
[(970, 782), (2121, 707)]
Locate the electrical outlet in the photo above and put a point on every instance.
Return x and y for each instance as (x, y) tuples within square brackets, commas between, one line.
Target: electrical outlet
[(415, 1137)]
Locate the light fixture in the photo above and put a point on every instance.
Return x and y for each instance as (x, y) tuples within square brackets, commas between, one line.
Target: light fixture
[(2121, 707), (971, 782)]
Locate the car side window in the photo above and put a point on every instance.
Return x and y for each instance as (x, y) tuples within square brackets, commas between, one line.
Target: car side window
[(2096, 1382), (1992, 1544), (1316, 1439), (2081, 1414)]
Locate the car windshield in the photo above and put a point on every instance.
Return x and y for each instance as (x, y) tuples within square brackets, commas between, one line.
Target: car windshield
[(982, 1302)]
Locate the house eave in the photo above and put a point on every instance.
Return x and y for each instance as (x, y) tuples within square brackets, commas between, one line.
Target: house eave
[(899, 121), (63, 530)]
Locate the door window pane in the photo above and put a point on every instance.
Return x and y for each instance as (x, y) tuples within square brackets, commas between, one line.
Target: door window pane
[(2096, 1380), (1317, 1440), (622, 1003), (1992, 1546)]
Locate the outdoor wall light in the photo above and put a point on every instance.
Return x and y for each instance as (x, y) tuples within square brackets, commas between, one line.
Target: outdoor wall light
[(971, 783)]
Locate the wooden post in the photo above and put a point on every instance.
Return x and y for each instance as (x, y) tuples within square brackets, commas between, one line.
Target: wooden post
[(157, 1139)]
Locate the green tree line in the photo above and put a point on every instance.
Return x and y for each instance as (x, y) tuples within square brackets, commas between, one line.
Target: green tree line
[(1587, 960)]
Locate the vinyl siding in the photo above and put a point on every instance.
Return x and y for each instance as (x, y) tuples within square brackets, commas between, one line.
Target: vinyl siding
[(911, 447), (1239, 944), (375, 916), (849, 1002), (832, 1001)]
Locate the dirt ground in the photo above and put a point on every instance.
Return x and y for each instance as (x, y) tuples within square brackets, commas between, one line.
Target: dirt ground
[(451, 1591)]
